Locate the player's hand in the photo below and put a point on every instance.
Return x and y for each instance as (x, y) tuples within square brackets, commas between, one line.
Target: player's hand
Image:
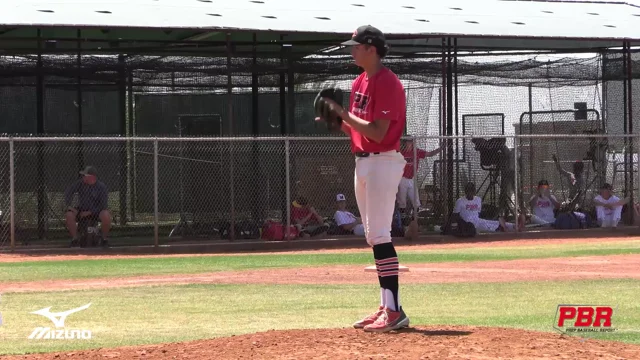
[(333, 106)]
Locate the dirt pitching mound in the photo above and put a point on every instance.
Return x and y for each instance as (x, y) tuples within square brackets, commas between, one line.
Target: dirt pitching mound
[(441, 342)]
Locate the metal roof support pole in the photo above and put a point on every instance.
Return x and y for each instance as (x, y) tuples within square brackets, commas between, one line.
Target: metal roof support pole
[(284, 129), (257, 189), (124, 146), (625, 114), (530, 184), (80, 145), (42, 196), (443, 124), (255, 128), (629, 84), (232, 227), (455, 86), (291, 103), (449, 127), (132, 148), (291, 98)]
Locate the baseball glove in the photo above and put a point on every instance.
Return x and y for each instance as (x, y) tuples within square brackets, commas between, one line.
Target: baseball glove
[(333, 121)]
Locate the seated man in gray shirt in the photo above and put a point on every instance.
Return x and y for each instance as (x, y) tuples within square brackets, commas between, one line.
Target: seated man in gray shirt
[(92, 202)]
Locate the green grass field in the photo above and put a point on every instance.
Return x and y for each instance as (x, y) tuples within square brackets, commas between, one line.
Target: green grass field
[(153, 314), (85, 269)]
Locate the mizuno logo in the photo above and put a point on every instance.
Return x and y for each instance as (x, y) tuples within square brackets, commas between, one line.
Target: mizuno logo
[(59, 317)]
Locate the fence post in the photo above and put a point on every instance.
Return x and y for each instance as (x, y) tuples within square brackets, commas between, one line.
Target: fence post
[(637, 177), (287, 171), (416, 193), (516, 181), (155, 193), (12, 195)]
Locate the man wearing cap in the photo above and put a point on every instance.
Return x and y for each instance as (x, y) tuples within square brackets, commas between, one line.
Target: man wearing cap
[(375, 121), (608, 207), (345, 219), (92, 202), (306, 219), (543, 205)]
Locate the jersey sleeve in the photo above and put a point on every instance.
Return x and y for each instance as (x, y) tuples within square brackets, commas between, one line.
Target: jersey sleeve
[(341, 218), (390, 99), (458, 207), (421, 153)]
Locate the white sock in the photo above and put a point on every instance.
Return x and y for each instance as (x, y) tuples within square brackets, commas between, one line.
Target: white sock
[(389, 301), (382, 299)]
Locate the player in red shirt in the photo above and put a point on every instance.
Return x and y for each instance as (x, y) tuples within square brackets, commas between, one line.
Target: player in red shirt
[(375, 122), (406, 187)]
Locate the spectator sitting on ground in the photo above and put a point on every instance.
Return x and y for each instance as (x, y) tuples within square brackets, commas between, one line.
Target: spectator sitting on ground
[(92, 202), (543, 205), (345, 219), (307, 219), (608, 207), (468, 209)]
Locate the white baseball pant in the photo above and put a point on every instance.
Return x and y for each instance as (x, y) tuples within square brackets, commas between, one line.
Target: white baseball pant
[(407, 189), (376, 183), (358, 230), (484, 226), (608, 218), (535, 219)]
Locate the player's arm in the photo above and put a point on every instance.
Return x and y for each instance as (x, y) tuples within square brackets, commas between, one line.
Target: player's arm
[(533, 201), (555, 202), (346, 128), (102, 202), (342, 221), (562, 171), (375, 130), (68, 193), (597, 201), (433, 152)]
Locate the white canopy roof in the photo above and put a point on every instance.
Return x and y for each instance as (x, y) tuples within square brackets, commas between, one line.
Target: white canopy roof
[(491, 18)]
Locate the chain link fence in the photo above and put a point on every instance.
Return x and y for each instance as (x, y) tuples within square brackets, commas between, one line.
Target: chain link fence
[(176, 189)]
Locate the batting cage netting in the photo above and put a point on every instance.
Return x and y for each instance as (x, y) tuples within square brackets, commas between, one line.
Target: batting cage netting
[(225, 116)]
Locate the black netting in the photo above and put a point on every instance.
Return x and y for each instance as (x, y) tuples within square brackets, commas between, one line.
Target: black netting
[(189, 96)]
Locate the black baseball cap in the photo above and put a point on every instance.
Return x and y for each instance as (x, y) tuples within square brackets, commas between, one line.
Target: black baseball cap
[(367, 35), (606, 186), (543, 183)]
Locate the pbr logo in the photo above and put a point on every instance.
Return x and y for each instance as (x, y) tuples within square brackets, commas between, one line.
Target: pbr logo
[(584, 318), (60, 332)]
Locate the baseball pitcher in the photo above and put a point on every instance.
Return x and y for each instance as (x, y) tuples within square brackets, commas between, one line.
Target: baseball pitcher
[(374, 121)]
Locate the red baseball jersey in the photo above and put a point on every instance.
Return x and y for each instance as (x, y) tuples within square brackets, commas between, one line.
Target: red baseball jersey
[(380, 97), (408, 156)]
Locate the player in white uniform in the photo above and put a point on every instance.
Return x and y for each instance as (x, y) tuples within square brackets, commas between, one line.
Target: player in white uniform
[(469, 207), (608, 207), (345, 219), (543, 205)]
